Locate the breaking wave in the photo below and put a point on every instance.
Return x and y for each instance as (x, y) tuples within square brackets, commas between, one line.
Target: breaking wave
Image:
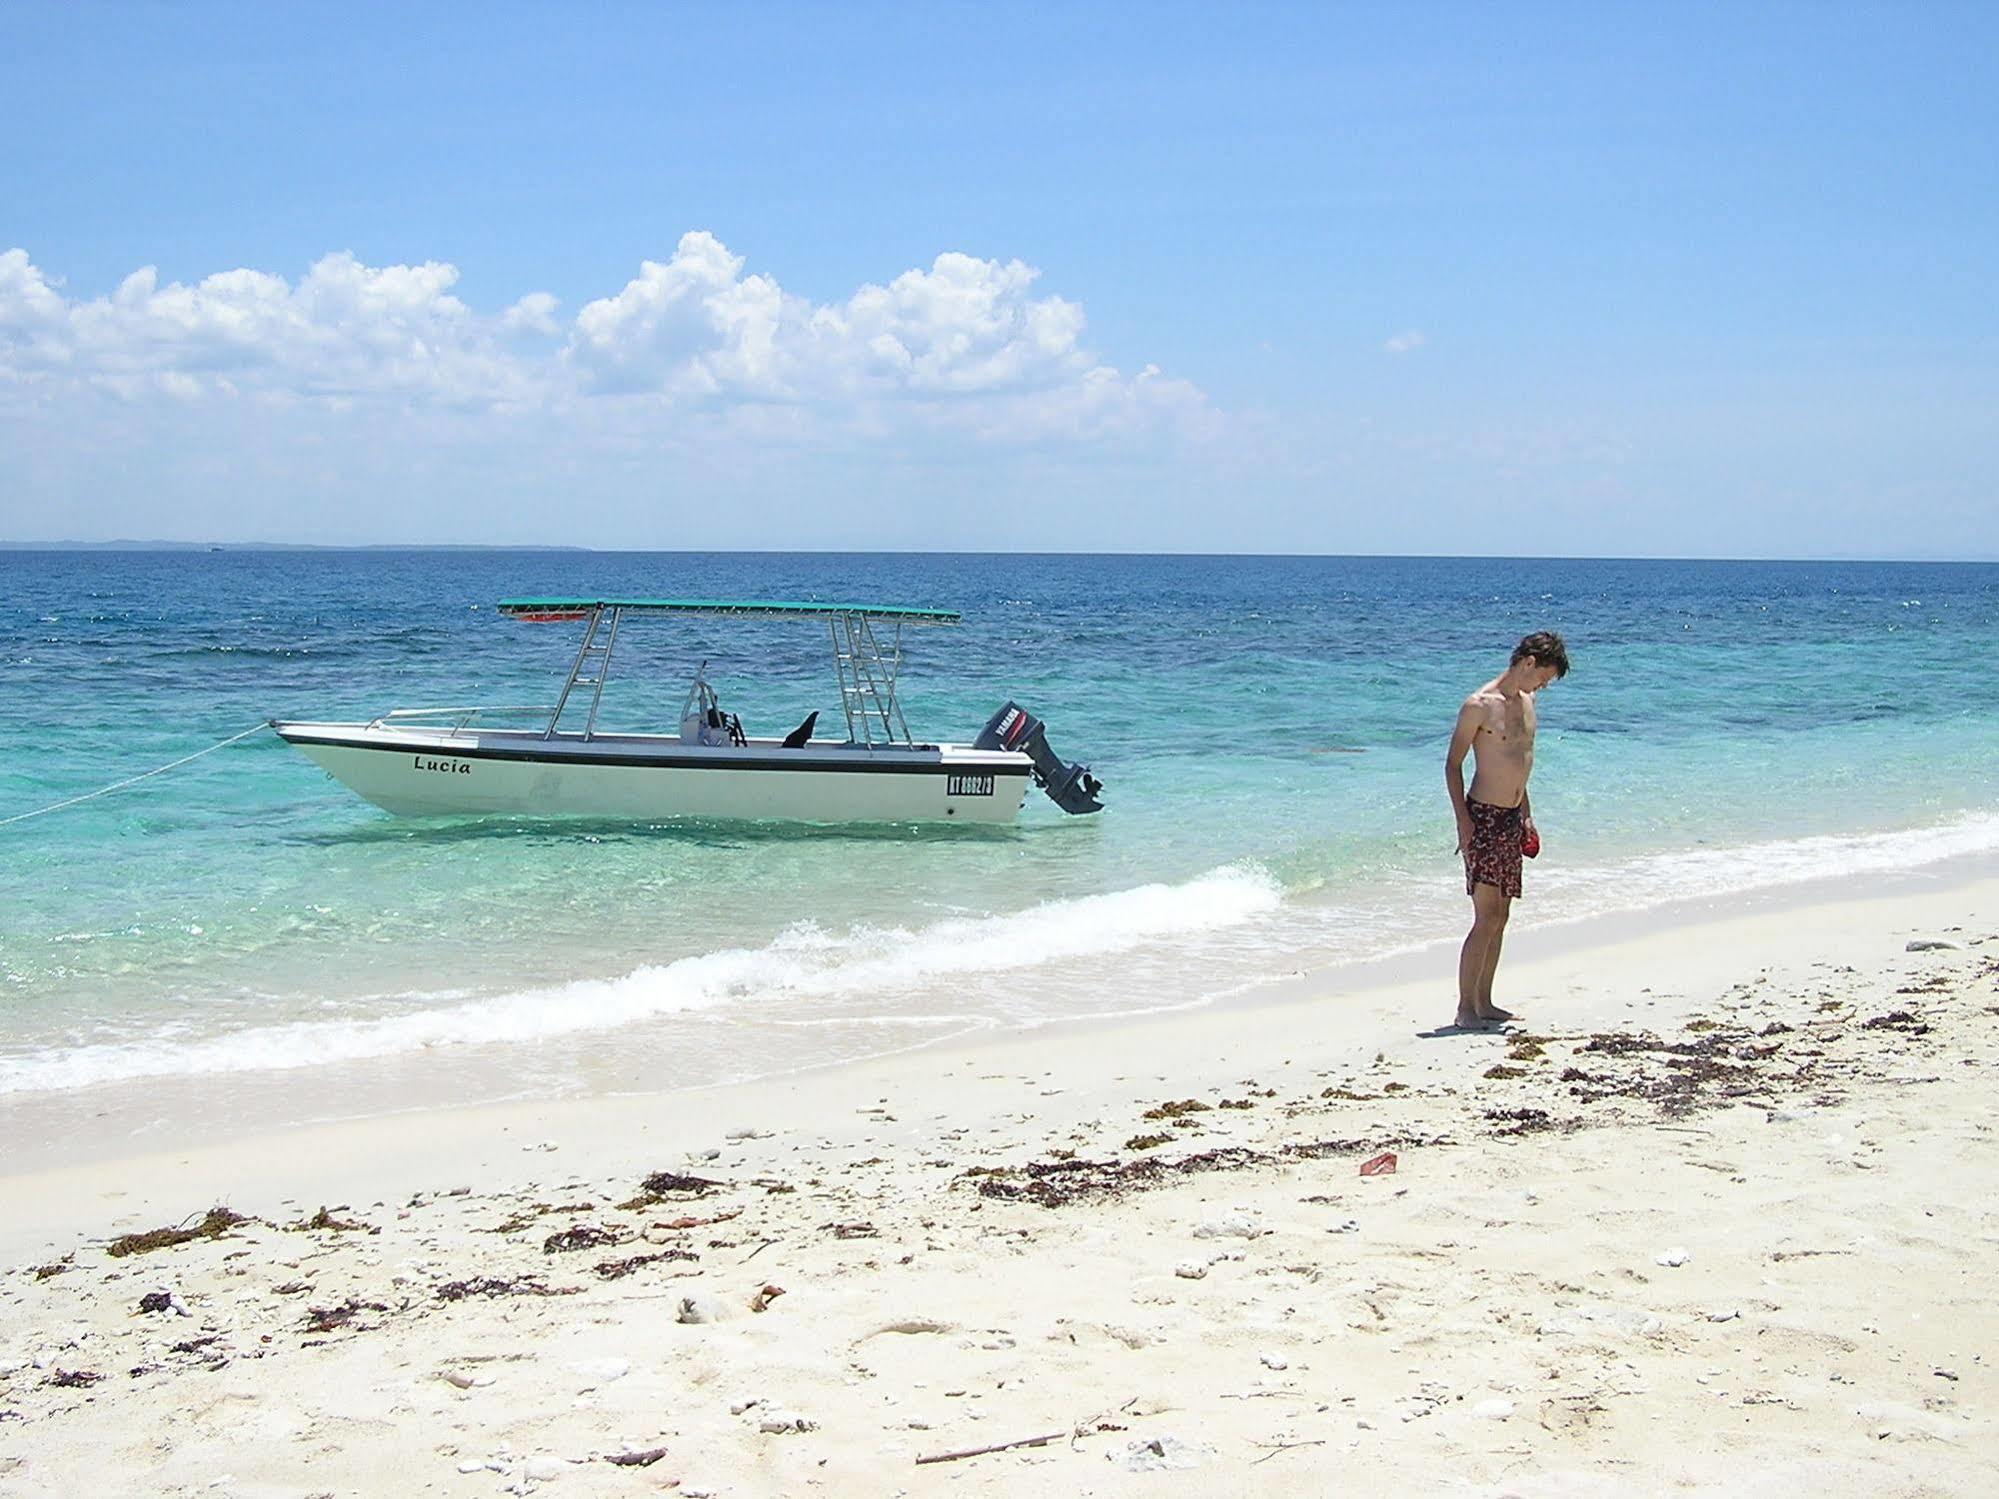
[(805, 969)]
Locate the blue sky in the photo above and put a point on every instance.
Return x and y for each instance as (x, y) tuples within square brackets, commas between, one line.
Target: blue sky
[(1415, 278)]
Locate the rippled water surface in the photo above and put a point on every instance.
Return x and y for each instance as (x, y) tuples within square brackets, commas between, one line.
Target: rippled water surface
[(1270, 731)]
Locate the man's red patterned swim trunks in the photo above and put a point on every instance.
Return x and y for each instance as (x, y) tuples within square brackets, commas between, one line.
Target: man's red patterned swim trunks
[(1493, 855)]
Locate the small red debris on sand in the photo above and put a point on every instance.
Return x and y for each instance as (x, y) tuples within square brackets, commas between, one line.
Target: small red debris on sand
[(765, 1297), (1381, 1165)]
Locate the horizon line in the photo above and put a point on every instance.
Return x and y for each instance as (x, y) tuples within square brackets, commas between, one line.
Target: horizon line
[(128, 544)]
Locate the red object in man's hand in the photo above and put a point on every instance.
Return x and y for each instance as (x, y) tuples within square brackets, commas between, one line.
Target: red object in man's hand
[(1530, 843)]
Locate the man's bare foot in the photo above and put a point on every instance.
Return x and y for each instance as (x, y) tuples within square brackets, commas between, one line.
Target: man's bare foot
[(1493, 1015), (1471, 1020)]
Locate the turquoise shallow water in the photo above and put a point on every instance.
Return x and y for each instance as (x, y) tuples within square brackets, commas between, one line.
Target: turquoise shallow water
[(1270, 731)]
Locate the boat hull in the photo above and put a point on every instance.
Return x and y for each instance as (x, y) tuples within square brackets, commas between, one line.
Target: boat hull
[(416, 773)]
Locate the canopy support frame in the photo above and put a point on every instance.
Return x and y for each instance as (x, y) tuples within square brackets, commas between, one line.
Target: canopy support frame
[(866, 676), (584, 652)]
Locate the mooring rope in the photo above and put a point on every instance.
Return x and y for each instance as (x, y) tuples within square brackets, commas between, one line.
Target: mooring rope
[(134, 780)]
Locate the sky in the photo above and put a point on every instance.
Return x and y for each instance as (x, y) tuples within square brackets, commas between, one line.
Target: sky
[(1464, 279)]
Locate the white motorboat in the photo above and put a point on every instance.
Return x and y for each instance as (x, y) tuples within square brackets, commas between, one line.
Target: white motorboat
[(426, 762)]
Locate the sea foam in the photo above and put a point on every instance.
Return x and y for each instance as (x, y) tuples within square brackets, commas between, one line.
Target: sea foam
[(804, 963)]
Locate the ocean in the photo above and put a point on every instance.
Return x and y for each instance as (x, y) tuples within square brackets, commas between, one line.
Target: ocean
[(243, 935)]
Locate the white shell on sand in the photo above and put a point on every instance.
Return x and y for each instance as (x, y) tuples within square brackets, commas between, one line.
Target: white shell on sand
[(1673, 1258), (1234, 1226), (702, 1308), (1190, 1270), (1158, 1454)]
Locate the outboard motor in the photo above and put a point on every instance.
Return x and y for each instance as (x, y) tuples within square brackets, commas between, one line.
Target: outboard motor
[(1071, 787)]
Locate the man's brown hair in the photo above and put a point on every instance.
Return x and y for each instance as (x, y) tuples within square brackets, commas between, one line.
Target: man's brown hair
[(1543, 648)]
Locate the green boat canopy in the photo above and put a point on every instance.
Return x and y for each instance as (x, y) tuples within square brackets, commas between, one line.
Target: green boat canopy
[(543, 610)]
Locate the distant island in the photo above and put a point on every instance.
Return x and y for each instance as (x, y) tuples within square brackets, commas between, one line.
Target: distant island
[(277, 546)]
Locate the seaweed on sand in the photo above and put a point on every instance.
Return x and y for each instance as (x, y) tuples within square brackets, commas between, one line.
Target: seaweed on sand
[(494, 1286), (1525, 1121), (1054, 1184), (1896, 1020), (217, 1221), (581, 1236), (324, 1219), (1680, 1077), (333, 1318), (1175, 1110), (664, 1186), (619, 1269)]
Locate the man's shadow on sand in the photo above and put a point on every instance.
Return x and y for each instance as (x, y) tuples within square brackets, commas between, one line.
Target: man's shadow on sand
[(1445, 1032)]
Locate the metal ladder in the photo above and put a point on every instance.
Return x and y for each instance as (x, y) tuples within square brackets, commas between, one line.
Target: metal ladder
[(867, 679), (601, 667)]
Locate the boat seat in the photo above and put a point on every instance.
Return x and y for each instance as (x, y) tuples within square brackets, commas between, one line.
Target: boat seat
[(799, 737)]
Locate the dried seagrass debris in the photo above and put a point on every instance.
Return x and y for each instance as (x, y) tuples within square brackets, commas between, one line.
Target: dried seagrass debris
[(1318, 1150), (1526, 1121), (524, 1217), (73, 1379), (1147, 1142), (1896, 1020), (55, 1267), (619, 1269), (1054, 1184), (1175, 1110), (851, 1230), (663, 1185), (324, 1219), (1683, 1077), (582, 1236), (1499, 1071), (333, 1318), (493, 1285), (214, 1223)]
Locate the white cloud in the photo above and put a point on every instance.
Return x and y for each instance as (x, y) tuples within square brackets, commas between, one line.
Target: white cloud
[(1405, 342), (533, 313), (964, 346)]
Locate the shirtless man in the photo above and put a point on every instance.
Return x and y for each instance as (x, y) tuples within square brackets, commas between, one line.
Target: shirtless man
[(1496, 724)]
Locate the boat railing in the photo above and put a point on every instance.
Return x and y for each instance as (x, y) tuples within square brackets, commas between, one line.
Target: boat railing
[(459, 718)]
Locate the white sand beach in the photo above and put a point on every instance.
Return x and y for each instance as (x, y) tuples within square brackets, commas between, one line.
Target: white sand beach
[(1719, 1218)]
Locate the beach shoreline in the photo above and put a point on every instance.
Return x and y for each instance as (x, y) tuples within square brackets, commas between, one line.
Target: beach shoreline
[(60, 1131), (1224, 1304)]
